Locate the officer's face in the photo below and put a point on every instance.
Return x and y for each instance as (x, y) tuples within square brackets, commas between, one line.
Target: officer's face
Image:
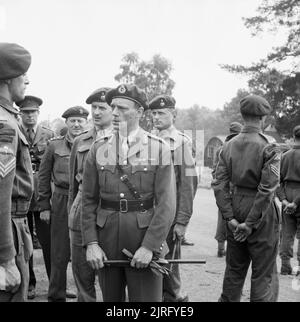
[(101, 114), (162, 118), (17, 87), (126, 115), (30, 117), (75, 125)]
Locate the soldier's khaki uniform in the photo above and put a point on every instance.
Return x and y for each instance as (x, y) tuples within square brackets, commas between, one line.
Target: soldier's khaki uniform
[(84, 275), (16, 187), (186, 187), (149, 168), (37, 148), (252, 165), (55, 166), (290, 190)]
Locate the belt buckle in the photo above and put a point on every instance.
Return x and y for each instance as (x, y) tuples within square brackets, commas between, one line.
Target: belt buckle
[(123, 205)]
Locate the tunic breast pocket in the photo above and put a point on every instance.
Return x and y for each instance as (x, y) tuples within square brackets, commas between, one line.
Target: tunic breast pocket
[(61, 162), (144, 177), (81, 157), (107, 178)]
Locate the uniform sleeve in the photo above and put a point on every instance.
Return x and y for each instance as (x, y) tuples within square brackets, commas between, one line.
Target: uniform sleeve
[(216, 161), (269, 183), (280, 192), (186, 185), (221, 186), (45, 176), (8, 152), (73, 186), (165, 203), (90, 198)]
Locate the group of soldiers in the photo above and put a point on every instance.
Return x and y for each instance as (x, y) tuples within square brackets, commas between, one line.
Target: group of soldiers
[(113, 191), (118, 192)]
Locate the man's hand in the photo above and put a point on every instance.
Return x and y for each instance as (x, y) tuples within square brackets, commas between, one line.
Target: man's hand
[(290, 208), (179, 231), (95, 256), (10, 278), (284, 203), (45, 216), (242, 232), (232, 224), (141, 258)]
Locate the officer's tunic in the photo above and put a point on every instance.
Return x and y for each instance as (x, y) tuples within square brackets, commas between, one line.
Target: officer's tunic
[(16, 187), (150, 169), (186, 187), (290, 190), (37, 148), (84, 275), (55, 166), (252, 166)]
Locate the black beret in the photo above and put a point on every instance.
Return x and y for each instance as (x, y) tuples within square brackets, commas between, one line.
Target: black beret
[(14, 60), (162, 101), (255, 105), (130, 92), (235, 127), (296, 131), (30, 103), (98, 95), (76, 111)]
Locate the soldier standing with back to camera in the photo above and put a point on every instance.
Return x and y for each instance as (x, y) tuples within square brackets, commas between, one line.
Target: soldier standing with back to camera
[(84, 275), (55, 167), (252, 166), (37, 137), (16, 181), (163, 114), (128, 201), (289, 195)]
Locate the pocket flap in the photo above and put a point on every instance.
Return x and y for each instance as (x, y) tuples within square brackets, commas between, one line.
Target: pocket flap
[(83, 148), (144, 218), (102, 215)]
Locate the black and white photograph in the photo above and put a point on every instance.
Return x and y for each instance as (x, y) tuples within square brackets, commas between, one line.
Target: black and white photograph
[(150, 153)]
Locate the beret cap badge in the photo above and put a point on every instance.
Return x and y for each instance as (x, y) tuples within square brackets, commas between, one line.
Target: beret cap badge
[(162, 103), (122, 89), (102, 96)]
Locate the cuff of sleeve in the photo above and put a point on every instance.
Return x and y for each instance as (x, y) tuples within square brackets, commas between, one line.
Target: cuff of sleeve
[(44, 205), (7, 253)]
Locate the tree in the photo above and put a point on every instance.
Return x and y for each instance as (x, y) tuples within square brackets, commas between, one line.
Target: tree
[(281, 89), (152, 76)]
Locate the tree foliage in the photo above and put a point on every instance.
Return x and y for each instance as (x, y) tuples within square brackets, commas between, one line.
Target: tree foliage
[(281, 89)]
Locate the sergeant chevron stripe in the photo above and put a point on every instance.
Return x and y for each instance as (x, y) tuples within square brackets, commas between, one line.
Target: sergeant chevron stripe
[(275, 170), (5, 168)]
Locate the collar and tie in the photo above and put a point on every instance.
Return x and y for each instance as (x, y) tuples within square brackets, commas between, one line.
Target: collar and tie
[(30, 134)]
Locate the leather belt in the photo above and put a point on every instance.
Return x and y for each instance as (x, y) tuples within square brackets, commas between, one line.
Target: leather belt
[(124, 205)]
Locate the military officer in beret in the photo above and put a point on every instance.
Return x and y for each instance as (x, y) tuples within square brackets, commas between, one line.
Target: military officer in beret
[(55, 166), (164, 114), (125, 175), (234, 129), (252, 165), (84, 274), (289, 195), (37, 137), (16, 181)]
